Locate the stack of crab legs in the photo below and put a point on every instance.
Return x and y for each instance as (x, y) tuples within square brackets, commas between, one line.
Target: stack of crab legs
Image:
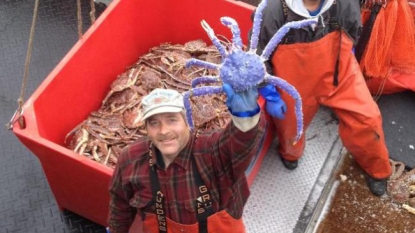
[(401, 186)]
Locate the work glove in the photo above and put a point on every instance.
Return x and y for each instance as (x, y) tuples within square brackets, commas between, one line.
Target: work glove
[(241, 104), (274, 105)]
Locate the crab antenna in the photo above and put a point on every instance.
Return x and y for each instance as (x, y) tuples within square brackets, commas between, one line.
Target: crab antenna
[(204, 80), (257, 26), (214, 39), (204, 64), (236, 32), (198, 91), (288, 88), (276, 39)]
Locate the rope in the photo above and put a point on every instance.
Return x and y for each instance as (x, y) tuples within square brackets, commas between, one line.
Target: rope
[(20, 100), (28, 55), (92, 13), (78, 4), (79, 14)]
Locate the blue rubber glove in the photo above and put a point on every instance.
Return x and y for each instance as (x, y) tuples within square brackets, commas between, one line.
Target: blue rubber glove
[(274, 105), (242, 104)]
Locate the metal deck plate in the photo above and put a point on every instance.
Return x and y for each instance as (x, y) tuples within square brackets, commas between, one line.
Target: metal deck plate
[(279, 196)]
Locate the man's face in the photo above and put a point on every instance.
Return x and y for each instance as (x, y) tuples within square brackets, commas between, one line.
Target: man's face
[(168, 132)]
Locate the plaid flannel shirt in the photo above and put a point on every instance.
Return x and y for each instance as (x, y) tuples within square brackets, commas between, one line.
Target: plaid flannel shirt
[(222, 158)]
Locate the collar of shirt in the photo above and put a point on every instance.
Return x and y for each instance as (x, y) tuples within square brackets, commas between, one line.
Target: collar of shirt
[(315, 12), (298, 7)]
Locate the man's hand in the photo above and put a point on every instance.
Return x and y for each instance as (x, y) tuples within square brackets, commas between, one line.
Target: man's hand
[(274, 105), (242, 104)]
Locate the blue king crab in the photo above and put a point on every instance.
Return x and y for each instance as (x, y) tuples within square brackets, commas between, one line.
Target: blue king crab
[(243, 70)]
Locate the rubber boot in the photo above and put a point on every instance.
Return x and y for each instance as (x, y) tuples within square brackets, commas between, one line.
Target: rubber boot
[(377, 187), (290, 165)]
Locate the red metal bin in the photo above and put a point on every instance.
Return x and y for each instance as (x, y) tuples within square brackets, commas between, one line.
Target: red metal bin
[(126, 30)]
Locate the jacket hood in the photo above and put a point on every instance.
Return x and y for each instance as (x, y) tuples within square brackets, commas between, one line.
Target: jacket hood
[(297, 6)]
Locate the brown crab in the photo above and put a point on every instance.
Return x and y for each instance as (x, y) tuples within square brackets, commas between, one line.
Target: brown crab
[(204, 111), (196, 47), (122, 90), (401, 184), (210, 113), (150, 80)]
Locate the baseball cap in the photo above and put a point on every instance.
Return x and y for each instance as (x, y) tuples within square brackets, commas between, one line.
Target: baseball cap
[(161, 101)]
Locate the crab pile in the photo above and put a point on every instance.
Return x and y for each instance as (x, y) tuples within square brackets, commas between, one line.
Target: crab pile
[(116, 124), (401, 186)]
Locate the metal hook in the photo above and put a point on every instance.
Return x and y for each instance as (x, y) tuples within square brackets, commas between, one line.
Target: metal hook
[(14, 119)]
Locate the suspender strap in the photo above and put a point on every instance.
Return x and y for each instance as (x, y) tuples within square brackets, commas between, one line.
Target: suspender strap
[(334, 25), (336, 67), (284, 10), (334, 20), (158, 199), (366, 31), (204, 203), (289, 37)]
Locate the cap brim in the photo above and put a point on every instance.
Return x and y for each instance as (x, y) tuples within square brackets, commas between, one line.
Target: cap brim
[(161, 109)]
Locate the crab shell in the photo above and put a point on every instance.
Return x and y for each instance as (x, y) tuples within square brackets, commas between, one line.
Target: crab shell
[(242, 70), (398, 191)]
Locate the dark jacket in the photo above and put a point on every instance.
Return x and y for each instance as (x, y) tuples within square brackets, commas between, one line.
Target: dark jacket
[(346, 16)]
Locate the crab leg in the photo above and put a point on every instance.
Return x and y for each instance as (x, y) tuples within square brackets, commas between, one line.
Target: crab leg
[(257, 26), (285, 86), (236, 32), (214, 39), (159, 68), (95, 154), (107, 157), (204, 80), (276, 39), (408, 208), (204, 64), (80, 147)]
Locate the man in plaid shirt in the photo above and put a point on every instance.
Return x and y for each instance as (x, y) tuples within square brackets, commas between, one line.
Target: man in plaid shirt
[(175, 181)]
